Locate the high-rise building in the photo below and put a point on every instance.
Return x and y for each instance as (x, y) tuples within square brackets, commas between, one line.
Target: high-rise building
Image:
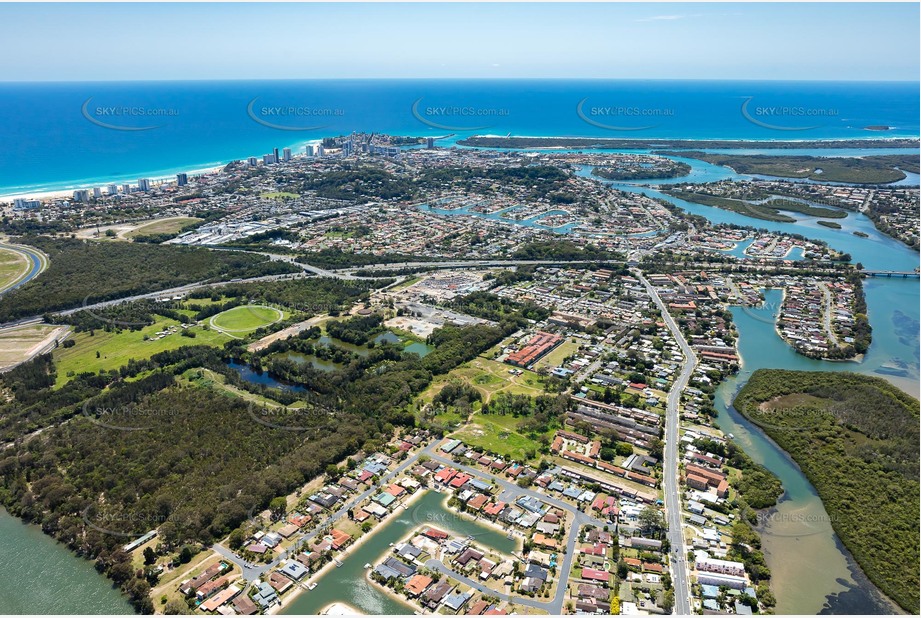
[(286, 154), (430, 143), (321, 151), (24, 203), (275, 153), (126, 188), (112, 189), (97, 192), (268, 159), (311, 150), (81, 195), (253, 161), (143, 184), (182, 179)]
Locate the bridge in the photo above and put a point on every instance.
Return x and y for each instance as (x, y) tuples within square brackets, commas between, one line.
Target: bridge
[(891, 273)]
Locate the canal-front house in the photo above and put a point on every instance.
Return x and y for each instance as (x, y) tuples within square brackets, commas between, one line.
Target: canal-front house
[(265, 596)]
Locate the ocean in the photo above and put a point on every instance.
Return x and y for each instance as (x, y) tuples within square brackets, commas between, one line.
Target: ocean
[(64, 135)]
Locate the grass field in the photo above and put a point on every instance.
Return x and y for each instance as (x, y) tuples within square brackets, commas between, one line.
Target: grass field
[(109, 350), (171, 225), (277, 195), (557, 355), (489, 377), (498, 434), (246, 319), (13, 266)]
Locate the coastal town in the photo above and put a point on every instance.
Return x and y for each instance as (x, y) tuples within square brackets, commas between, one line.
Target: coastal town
[(574, 466)]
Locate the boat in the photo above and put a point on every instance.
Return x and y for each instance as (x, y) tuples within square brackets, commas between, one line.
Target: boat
[(367, 565), (311, 585)]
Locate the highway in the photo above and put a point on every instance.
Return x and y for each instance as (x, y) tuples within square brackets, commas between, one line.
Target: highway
[(37, 260), (678, 555)]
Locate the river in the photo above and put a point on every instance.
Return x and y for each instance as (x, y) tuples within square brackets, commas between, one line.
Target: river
[(812, 572), (40, 576)]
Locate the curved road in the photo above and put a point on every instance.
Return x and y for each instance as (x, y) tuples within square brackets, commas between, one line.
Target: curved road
[(678, 556), (37, 260)]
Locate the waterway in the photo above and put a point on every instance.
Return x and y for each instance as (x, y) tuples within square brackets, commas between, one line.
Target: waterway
[(349, 583), (40, 576), (812, 571), (256, 377)]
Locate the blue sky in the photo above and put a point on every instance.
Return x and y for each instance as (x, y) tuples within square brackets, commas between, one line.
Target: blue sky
[(852, 41)]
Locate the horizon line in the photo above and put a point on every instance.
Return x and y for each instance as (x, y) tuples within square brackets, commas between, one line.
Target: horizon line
[(477, 78)]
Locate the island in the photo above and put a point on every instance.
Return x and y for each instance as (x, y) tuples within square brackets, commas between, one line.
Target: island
[(856, 440), (491, 141), (881, 169)]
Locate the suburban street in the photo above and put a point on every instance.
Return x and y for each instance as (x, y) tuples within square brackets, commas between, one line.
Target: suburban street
[(678, 556), (508, 491)]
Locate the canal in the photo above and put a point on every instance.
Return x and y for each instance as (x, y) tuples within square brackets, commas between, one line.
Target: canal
[(812, 572), (349, 583)]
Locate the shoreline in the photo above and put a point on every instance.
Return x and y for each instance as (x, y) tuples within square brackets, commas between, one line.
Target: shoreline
[(343, 609), (489, 524), (44, 193), (412, 603), (66, 188), (342, 555)]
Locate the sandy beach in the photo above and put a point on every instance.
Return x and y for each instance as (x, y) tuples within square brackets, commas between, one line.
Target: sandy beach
[(67, 192), (298, 589), (340, 609)]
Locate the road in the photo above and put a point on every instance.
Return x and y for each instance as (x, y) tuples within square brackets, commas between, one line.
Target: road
[(509, 492), (37, 261), (252, 573), (307, 268), (827, 311), (678, 555)]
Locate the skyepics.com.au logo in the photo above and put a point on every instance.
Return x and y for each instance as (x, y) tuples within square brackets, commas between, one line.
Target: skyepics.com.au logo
[(797, 524), (767, 312), (621, 117), (126, 117), (130, 315), (800, 418), (128, 417), (310, 413), (286, 117), (785, 117), (439, 116), (128, 524), (454, 523)]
